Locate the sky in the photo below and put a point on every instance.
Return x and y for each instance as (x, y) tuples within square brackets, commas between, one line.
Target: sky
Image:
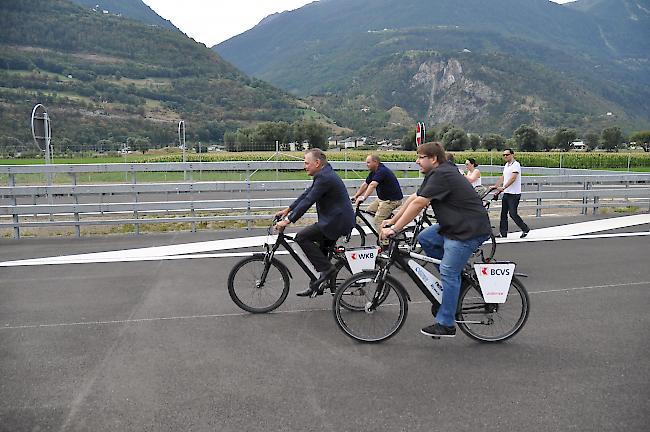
[(214, 21)]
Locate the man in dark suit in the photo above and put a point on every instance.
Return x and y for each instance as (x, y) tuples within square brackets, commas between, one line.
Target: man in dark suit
[(335, 216)]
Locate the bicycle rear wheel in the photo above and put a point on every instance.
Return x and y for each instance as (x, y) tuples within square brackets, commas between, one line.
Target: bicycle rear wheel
[(363, 324), (491, 322), (253, 292), (356, 238)]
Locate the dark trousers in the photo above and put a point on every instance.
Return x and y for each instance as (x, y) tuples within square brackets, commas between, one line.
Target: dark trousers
[(509, 204), (315, 246)]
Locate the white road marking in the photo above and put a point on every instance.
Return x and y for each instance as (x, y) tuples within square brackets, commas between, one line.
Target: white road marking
[(581, 230), (238, 314)]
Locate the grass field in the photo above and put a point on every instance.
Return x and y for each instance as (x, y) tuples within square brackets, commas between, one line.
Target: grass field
[(638, 162)]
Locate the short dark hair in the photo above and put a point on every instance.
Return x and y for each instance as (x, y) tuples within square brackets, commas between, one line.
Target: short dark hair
[(375, 157), (318, 154), (509, 150), (472, 161), (431, 149)]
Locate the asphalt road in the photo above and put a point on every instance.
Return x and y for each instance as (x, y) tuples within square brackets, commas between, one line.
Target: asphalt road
[(160, 346)]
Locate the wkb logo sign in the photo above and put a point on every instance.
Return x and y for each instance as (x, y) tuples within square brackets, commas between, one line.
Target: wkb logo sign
[(361, 259), (495, 280)]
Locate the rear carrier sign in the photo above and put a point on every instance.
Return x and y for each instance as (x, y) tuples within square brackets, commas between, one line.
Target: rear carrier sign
[(495, 280), (361, 259)]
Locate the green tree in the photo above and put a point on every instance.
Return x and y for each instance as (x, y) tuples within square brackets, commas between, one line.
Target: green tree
[(591, 140), (474, 141), (563, 138), (455, 139), (139, 144), (493, 142), (408, 141), (611, 138), (527, 138), (316, 135), (641, 138)]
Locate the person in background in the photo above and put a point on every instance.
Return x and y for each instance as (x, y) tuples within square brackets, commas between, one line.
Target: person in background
[(389, 192), (335, 216), (473, 175), (510, 184), (450, 159)]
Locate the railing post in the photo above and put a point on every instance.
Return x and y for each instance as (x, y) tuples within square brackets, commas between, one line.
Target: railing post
[(12, 183), (538, 210), (248, 198), (586, 186), (192, 211), (77, 227), (134, 182)]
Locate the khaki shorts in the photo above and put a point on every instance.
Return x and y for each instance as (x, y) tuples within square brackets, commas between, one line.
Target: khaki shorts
[(382, 210)]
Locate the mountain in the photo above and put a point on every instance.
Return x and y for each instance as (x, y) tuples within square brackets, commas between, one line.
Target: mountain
[(134, 9), (107, 78), (533, 60), (624, 25)]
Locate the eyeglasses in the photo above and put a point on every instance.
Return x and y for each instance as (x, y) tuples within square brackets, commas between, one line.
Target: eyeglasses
[(507, 154)]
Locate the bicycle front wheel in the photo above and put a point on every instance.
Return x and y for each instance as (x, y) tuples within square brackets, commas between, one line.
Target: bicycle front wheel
[(492, 322), (362, 322), (258, 286)]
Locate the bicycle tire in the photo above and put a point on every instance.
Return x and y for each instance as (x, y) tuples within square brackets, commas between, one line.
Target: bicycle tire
[(493, 318), (244, 280), (380, 324), (356, 238)]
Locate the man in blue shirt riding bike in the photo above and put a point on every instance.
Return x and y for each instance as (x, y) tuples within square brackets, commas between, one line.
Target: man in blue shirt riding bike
[(335, 215)]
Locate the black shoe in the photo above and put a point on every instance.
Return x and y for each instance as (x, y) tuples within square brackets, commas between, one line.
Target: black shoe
[(305, 293), (524, 234), (315, 287), (438, 331)]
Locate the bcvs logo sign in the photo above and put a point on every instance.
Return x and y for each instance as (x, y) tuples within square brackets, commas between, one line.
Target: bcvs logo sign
[(495, 271)]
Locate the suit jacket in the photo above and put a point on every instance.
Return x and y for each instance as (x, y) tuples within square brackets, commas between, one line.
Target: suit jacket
[(335, 214)]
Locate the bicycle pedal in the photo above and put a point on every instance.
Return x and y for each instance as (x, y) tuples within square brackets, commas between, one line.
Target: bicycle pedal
[(435, 337)]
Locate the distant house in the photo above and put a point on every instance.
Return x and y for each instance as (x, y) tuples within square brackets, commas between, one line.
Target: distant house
[(578, 146), (353, 142)]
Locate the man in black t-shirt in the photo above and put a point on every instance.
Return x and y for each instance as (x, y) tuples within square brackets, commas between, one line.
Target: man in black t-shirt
[(463, 225), (389, 192)]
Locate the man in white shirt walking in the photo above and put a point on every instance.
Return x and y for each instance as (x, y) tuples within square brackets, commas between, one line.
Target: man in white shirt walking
[(511, 189)]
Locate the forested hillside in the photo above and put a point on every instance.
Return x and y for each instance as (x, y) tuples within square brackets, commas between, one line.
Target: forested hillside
[(134, 9), (107, 78)]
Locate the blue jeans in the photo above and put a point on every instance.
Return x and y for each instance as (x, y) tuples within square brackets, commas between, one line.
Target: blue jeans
[(454, 255)]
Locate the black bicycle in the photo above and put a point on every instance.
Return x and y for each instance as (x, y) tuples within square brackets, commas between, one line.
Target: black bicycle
[(380, 301), (485, 253), (260, 283)]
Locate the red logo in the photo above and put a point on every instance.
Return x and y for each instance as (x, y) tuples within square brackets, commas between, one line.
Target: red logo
[(353, 256), (484, 271)]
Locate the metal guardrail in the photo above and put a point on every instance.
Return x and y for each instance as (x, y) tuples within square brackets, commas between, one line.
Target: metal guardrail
[(23, 206)]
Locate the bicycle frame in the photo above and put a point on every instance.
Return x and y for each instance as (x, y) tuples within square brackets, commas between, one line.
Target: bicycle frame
[(399, 257), (299, 257)]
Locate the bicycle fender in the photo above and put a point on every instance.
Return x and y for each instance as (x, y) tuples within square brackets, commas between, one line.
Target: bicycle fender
[(278, 262), (521, 274)]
